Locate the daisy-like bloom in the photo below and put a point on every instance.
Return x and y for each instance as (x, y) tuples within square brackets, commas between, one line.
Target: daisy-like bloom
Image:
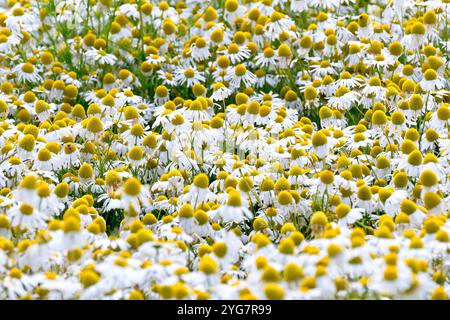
[(394, 281), (166, 77), (415, 214), (26, 146), (348, 216), (240, 75), (320, 144), (186, 218), (432, 81), (412, 164), (161, 95), (278, 23), (27, 72), (154, 60), (196, 110), (198, 191), (235, 53), (135, 135), (323, 68), (408, 72), (188, 76), (43, 110), (45, 160), (27, 189), (177, 123), (433, 202), (355, 54), (343, 98), (199, 50), (346, 80), (416, 37), (267, 58), (100, 56), (234, 211), (133, 195), (70, 155), (26, 217), (8, 41), (220, 92), (20, 19), (379, 61), (364, 198)]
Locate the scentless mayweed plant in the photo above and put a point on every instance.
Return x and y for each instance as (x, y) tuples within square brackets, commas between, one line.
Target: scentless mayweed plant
[(224, 149)]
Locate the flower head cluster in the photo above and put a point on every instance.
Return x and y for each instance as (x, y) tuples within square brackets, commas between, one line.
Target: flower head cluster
[(235, 149)]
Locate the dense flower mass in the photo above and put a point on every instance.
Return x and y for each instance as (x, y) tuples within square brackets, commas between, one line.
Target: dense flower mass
[(229, 149)]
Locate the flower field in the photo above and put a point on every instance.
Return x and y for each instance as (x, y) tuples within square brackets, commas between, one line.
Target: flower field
[(224, 149)]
